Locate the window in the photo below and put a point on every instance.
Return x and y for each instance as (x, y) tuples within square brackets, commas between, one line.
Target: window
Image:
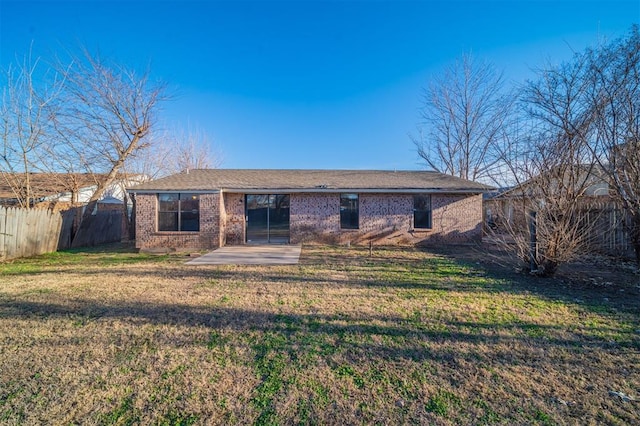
[(349, 211), (422, 211), (178, 212)]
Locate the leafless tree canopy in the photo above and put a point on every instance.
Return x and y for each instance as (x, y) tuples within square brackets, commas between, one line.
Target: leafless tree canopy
[(83, 116), (464, 112), (583, 131), (108, 115), (87, 116), (614, 99), (555, 192), (30, 98), (176, 151)]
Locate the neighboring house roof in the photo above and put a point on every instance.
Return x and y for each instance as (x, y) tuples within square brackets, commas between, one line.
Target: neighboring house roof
[(496, 192), (110, 200), (43, 184), (54, 185), (591, 180), (286, 181)]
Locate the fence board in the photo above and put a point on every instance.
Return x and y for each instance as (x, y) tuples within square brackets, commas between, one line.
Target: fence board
[(66, 230), (610, 232), (3, 231), (609, 224), (101, 228), (28, 232), (12, 234)]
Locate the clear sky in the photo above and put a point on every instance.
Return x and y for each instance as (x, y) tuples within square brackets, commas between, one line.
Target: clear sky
[(307, 84)]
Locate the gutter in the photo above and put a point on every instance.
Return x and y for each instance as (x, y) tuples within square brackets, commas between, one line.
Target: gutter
[(173, 191), (312, 191), (353, 190)]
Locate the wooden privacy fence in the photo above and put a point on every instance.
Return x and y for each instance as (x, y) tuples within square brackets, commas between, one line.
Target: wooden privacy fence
[(609, 225), (100, 228), (610, 231), (28, 232)]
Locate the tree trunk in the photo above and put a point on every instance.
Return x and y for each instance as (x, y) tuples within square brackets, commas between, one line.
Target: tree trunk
[(128, 220), (635, 236), (85, 223), (102, 186), (132, 227)]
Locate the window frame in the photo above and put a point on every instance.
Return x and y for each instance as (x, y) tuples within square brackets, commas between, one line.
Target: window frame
[(346, 221), (428, 211), (182, 197)]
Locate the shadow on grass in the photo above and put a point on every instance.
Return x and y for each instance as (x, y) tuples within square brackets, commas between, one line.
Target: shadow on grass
[(616, 298), (421, 276), (409, 338), (359, 348), (444, 269)]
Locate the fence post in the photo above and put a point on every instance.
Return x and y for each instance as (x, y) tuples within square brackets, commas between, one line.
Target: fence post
[(533, 245)]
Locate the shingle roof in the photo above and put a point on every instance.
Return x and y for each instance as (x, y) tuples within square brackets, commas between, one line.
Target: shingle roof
[(280, 181), (46, 184)]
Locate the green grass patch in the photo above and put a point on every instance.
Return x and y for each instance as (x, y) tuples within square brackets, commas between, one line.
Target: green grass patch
[(442, 402), (124, 413), (102, 256), (400, 337)]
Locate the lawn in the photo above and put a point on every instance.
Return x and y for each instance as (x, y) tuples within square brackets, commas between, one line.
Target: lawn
[(400, 337)]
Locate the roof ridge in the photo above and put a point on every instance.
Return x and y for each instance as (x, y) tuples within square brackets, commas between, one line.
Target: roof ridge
[(299, 180)]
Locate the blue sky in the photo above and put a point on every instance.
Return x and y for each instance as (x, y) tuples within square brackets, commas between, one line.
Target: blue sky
[(310, 84)]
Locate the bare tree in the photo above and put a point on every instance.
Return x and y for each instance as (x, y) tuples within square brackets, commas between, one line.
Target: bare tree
[(554, 170), (194, 150), (549, 224), (109, 115), (170, 153), (30, 100), (174, 152), (586, 134), (464, 114), (614, 97)]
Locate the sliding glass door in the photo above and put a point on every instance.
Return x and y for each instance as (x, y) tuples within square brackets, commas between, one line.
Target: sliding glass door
[(267, 218)]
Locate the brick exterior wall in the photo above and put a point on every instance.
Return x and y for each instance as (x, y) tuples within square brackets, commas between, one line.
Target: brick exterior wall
[(222, 220), (314, 218), (456, 218), (235, 227), (147, 237), (384, 219)]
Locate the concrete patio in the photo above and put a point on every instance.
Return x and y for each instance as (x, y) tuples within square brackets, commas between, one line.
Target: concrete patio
[(251, 255)]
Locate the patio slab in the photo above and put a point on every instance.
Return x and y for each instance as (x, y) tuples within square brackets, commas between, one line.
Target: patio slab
[(251, 255)]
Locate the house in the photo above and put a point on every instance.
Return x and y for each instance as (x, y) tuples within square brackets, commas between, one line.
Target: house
[(585, 191), (584, 183), (209, 208), (69, 193), (61, 191)]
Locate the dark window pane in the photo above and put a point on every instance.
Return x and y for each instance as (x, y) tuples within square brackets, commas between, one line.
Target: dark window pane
[(189, 221), (189, 212), (257, 201), (178, 212), (422, 219), (349, 216), (279, 213), (422, 211), (167, 221), (168, 202), (422, 202), (189, 202)]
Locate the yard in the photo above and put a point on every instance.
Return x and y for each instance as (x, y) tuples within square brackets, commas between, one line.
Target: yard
[(402, 336)]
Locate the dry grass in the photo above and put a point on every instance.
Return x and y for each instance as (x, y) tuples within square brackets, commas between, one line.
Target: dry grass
[(404, 336)]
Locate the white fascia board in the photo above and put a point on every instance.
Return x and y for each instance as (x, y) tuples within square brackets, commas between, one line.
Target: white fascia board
[(174, 191), (353, 190)]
